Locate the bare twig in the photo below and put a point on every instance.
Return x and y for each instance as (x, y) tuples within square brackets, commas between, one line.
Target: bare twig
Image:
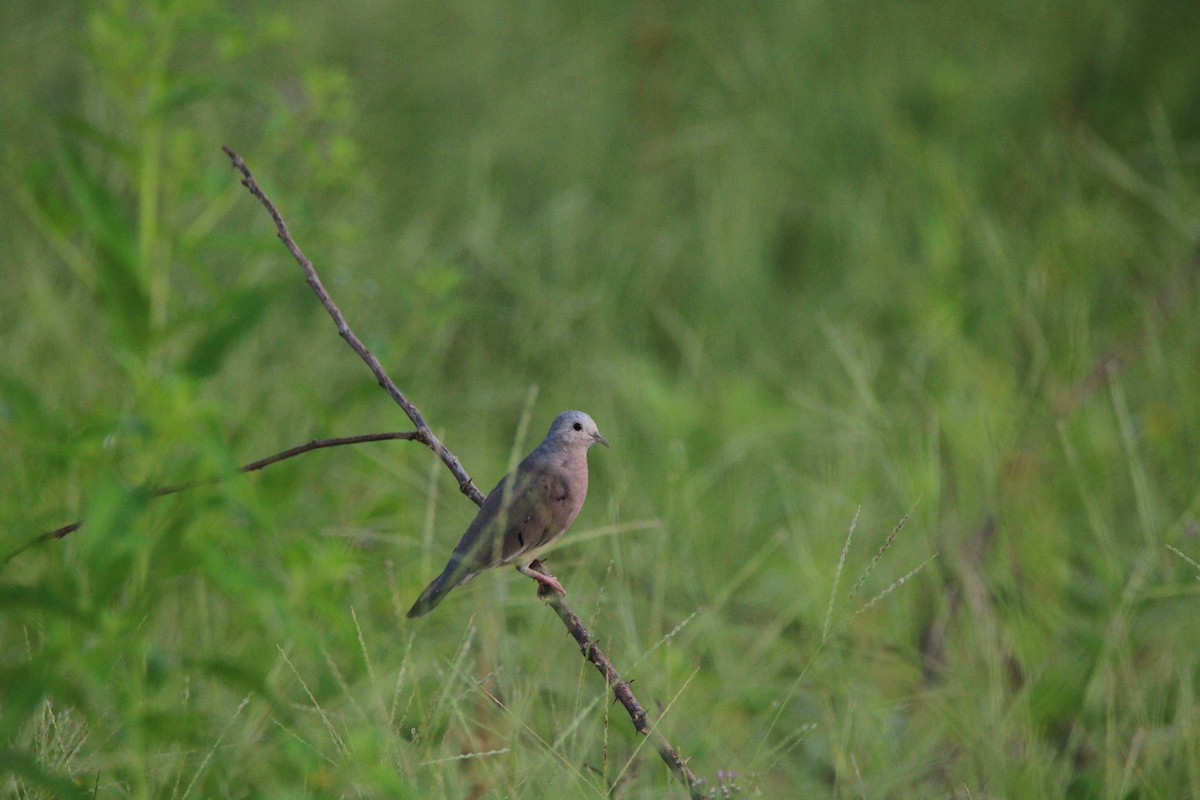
[(424, 434), (587, 642), (318, 444), (253, 466), (307, 447), (620, 689)]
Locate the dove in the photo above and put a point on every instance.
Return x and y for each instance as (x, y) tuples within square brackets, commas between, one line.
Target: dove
[(529, 508)]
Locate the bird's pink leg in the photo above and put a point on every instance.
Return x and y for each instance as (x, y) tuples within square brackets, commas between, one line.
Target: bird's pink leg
[(548, 582)]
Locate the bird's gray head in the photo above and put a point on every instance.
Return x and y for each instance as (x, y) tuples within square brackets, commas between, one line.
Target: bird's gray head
[(574, 429)]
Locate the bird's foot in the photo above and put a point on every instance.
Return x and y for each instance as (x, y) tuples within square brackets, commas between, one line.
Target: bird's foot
[(547, 583)]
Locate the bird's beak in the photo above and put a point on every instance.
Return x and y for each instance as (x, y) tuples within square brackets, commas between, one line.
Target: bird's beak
[(596, 436)]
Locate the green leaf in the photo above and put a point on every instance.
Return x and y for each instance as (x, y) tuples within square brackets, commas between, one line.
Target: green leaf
[(25, 685), (183, 92), (111, 539), (85, 130), (37, 598), (235, 319), (20, 402), (102, 218), (26, 767), (239, 678)]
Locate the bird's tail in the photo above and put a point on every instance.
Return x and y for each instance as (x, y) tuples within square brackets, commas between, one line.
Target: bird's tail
[(437, 590)]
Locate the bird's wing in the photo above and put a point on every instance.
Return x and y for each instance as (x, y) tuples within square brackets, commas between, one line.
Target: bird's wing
[(542, 515), (521, 514)]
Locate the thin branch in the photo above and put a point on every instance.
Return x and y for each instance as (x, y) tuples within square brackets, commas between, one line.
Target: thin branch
[(253, 466), (585, 640), (318, 444), (424, 434), (620, 689)]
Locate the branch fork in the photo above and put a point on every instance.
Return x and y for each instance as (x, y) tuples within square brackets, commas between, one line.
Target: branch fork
[(586, 641), (549, 589)]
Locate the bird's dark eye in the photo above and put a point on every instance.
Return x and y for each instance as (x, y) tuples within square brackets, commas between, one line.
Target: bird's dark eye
[(578, 426)]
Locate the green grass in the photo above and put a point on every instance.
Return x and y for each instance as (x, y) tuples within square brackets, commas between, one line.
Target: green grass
[(808, 267)]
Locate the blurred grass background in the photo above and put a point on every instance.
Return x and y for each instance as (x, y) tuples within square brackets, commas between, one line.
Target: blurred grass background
[(804, 263)]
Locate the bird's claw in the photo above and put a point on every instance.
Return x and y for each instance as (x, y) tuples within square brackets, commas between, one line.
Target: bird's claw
[(547, 584)]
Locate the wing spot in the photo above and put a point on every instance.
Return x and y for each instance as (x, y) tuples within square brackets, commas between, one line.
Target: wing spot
[(521, 538)]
